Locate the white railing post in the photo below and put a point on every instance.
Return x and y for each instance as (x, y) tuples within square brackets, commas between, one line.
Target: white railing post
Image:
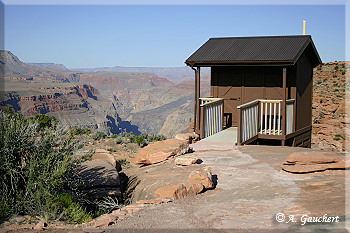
[(289, 116)]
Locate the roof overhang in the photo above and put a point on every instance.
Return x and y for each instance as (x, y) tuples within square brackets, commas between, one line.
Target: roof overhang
[(215, 53), (240, 63)]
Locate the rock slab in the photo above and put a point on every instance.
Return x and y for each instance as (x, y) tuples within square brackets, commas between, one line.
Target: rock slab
[(97, 178), (161, 151), (186, 160), (307, 162), (189, 137)]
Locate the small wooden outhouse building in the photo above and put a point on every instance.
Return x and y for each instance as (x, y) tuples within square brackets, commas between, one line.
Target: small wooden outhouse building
[(261, 85)]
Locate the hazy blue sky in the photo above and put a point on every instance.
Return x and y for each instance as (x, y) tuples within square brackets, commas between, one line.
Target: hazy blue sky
[(153, 35)]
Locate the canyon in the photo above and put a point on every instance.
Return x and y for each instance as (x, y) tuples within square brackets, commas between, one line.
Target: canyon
[(109, 101)]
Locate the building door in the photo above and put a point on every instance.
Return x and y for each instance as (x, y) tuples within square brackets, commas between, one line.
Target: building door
[(253, 84), (230, 90)]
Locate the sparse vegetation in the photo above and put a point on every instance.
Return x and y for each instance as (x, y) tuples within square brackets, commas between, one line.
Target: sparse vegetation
[(98, 135), (124, 163), (76, 130), (34, 163), (111, 150), (141, 140), (338, 137)]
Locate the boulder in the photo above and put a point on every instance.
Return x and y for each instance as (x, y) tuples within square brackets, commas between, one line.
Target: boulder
[(180, 192), (194, 189), (186, 160), (312, 158), (189, 137), (167, 191), (202, 176), (161, 151), (307, 162), (103, 154), (184, 191), (97, 178)]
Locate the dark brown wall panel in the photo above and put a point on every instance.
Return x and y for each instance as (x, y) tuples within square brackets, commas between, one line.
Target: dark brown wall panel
[(304, 92)]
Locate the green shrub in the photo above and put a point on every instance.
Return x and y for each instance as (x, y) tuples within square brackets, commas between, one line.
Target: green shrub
[(139, 140), (118, 140), (34, 164), (155, 138), (98, 135), (4, 210), (44, 121), (123, 163), (76, 130), (73, 212), (337, 137), (111, 150)]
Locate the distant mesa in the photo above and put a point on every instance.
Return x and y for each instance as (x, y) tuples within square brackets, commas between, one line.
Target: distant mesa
[(50, 65)]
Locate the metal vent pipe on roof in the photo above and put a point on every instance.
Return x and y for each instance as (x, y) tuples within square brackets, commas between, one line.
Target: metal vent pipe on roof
[(304, 27)]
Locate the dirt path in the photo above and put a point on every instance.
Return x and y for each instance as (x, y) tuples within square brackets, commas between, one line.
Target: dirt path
[(251, 189)]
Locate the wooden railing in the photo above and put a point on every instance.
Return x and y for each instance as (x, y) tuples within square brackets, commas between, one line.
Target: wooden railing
[(269, 112), (270, 117), (248, 125), (212, 112)]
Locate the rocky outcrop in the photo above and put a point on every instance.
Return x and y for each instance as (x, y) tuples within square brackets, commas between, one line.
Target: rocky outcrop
[(328, 107), (202, 176), (189, 137), (104, 154), (198, 181), (186, 160), (161, 151), (122, 213), (97, 179), (308, 162)]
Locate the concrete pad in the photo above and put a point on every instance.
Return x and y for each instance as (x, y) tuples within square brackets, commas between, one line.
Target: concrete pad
[(228, 135)]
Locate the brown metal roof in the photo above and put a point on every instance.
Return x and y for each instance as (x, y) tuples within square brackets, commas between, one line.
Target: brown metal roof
[(266, 49)]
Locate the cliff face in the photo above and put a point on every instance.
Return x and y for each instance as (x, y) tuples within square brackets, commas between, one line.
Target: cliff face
[(330, 120), (80, 105)]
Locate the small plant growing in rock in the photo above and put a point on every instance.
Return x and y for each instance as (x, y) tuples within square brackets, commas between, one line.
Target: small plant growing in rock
[(111, 150), (337, 137), (109, 204), (98, 135), (76, 130), (124, 163)]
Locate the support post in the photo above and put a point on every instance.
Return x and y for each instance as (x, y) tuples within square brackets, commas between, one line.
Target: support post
[(239, 127), (197, 103), (284, 105), (222, 116)]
